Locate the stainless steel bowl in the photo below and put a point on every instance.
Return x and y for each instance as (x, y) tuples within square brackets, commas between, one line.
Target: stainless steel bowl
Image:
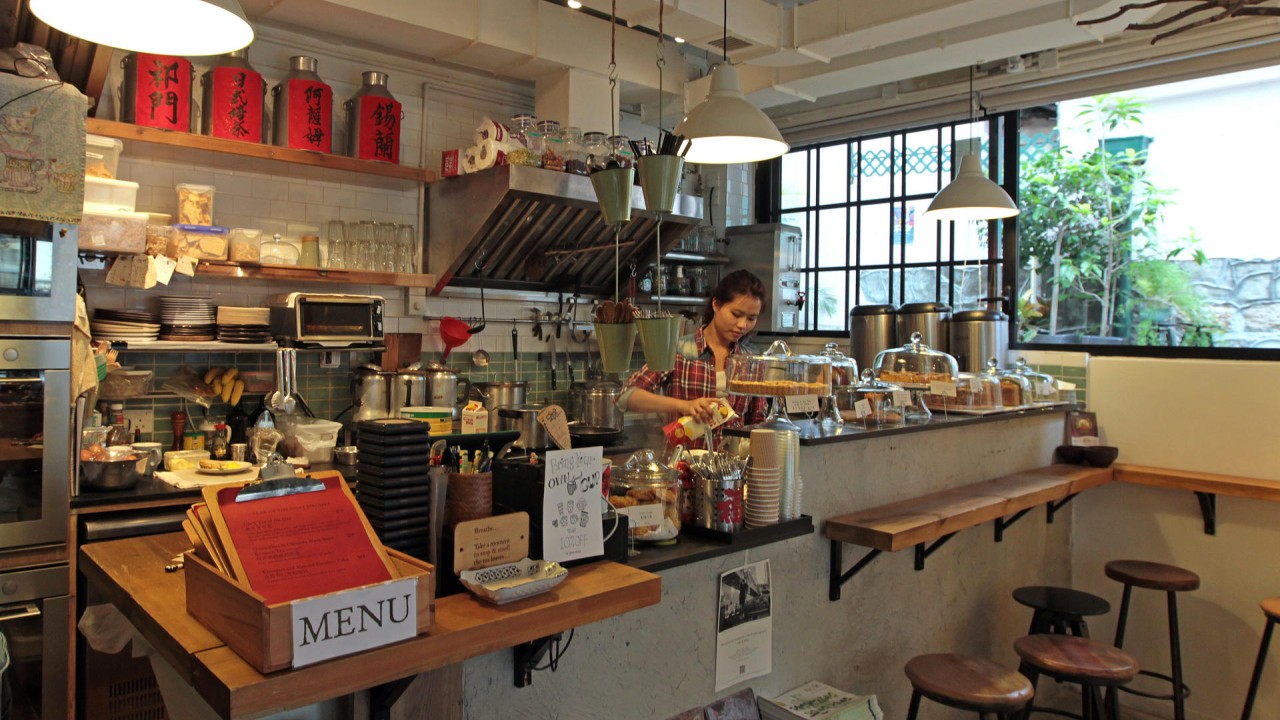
[(112, 474), (345, 455)]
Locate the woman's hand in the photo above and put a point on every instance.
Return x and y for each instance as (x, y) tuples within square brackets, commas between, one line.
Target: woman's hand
[(702, 409)]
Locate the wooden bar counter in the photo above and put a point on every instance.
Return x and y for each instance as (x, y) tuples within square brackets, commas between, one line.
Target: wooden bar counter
[(131, 573)]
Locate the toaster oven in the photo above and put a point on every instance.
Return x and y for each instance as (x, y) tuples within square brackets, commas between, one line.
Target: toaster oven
[(318, 320)]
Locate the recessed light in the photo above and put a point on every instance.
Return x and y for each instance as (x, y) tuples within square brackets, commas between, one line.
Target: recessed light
[(678, 39), (574, 4)]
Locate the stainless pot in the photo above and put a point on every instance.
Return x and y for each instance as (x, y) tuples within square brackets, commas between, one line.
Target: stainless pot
[(978, 335), (495, 395), (371, 392), (436, 386), (525, 419), (600, 405)]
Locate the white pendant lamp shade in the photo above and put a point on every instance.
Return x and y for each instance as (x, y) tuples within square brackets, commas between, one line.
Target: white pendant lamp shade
[(971, 196), (163, 27), (727, 128)]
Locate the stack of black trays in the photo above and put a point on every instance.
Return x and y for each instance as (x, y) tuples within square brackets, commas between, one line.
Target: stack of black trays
[(392, 484)]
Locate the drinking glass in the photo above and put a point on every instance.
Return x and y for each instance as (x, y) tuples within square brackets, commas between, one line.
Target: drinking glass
[(364, 246), (407, 247), (385, 254), (336, 233)]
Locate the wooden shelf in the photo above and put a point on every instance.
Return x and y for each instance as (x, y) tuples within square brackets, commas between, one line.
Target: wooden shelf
[(137, 133), (290, 272), (131, 574), (1253, 488)]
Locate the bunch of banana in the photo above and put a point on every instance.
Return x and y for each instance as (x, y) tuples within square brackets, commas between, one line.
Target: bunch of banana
[(225, 384)]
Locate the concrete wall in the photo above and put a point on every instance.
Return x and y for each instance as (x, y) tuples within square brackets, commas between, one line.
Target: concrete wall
[(1152, 411), (655, 662)]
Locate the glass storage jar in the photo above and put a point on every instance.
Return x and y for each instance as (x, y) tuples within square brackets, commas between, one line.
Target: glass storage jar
[(679, 282), (552, 145), (621, 151), (524, 131), (778, 373), (245, 245), (597, 147), (649, 493), (699, 286), (575, 154)]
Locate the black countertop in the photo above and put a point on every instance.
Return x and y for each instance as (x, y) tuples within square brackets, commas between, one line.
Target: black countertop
[(812, 434)]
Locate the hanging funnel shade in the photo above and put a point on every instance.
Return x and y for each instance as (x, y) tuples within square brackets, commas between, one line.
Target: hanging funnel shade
[(660, 179), (617, 342), (613, 192), (161, 27), (658, 337), (971, 196), (727, 128)]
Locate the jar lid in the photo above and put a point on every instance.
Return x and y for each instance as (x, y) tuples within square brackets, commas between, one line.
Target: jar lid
[(979, 316), (873, 310), (643, 468), (924, 307)]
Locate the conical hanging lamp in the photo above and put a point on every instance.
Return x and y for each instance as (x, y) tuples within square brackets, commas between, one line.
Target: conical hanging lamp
[(971, 195), (162, 27), (725, 127)]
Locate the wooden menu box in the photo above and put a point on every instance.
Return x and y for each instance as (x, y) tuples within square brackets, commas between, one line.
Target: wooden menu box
[(262, 634)]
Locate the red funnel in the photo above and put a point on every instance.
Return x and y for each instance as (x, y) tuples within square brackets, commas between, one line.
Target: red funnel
[(453, 332)]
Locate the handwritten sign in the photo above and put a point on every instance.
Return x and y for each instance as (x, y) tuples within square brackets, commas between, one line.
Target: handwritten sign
[(798, 404), (490, 541), (341, 623), (552, 418), (571, 504)]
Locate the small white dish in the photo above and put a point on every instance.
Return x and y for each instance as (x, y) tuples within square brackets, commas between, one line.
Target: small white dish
[(524, 578)]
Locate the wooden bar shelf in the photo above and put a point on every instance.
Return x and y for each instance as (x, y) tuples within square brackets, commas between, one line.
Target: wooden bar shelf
[(928, 521), (207, 269), (137, 133), (1206, 486)]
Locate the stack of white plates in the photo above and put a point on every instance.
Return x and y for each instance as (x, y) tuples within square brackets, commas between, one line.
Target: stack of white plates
[(187, 319), (243, 324), (124, 325)]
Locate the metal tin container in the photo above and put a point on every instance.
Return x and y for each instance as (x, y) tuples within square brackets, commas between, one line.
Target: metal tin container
[(303, 108), (156, 91), (373, 120), (872, 328), (600, 405), (499, 394), (926, 318), (975, 336), (234, 97)]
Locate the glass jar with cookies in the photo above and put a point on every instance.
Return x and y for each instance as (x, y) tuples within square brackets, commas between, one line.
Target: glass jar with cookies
[(648, 493)]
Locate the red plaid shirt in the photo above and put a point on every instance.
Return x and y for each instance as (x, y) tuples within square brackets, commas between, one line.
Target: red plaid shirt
[(694, 376)]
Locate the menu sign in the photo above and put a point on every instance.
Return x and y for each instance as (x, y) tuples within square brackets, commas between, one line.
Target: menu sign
[(236, 112), (162, 98), (345, 622), (310, 115), (571, 504), (379, 123)]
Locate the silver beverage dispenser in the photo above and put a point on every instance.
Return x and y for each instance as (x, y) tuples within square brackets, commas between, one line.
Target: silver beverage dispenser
[(872, 328), (926, 318), (975, 336)]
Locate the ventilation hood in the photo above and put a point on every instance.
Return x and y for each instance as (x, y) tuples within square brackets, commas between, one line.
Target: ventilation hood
[(527, 228)]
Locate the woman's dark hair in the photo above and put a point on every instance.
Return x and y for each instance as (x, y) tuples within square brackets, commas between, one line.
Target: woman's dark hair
[(735, 284)]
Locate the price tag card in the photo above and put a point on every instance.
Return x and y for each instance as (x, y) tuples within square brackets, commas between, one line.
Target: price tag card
[(942, 387), (901, 398), (862, 408), (1064, 385), (571, 505), (643, 515), (798, 404), (164, 269)]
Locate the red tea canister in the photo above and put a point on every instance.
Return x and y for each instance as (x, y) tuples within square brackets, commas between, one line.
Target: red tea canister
[(303, 108), (234, 99), (373, 120), (156, 91)]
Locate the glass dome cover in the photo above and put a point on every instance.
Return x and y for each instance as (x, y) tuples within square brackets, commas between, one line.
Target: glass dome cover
[(881, 409), (777, 372), (844, 369), (915, 365), (1015, 389), (973, 391), (1044, 388)]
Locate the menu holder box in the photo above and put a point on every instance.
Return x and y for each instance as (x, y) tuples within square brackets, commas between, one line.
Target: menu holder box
[(262, 633)]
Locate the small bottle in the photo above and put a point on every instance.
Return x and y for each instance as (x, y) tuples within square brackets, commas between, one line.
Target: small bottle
[(575, 155), (218, 442), (679, 283)]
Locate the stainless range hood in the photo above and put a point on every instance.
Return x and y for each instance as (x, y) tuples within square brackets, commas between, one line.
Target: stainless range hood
[(535, 229)]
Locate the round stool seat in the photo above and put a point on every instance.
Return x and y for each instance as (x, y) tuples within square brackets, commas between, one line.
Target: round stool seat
[(1271, 606), (1152, 575), (1073, 658), (1062, 601), (968, 683)]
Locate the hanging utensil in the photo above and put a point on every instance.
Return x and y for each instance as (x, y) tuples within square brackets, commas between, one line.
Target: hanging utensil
[(515, 349), (479, 328), (480, 358)]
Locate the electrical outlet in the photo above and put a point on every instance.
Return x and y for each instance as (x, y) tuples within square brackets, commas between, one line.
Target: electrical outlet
[(144, 420), (418, 306)]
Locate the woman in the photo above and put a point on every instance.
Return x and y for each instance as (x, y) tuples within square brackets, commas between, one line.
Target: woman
[(698, 383)]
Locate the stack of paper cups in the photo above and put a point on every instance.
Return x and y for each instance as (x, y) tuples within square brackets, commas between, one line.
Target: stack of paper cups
[(788, 444), (764, 487)]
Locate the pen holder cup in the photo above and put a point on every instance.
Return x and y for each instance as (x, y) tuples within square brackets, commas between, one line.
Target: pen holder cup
[(470, 497)]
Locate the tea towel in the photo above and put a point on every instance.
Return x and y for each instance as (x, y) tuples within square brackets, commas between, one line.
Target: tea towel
[(41, 149)]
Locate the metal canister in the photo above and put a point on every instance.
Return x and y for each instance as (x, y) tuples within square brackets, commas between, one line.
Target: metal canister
[(871, 329), (156, 91), (373, 120), (234, 97), (976, 335), (925, 318), (303, 108)]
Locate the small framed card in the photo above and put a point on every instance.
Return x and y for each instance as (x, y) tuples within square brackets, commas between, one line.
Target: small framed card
[(1082, 428)]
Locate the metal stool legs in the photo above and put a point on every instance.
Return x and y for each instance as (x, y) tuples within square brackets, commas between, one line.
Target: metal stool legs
[(1180, 690), (1257, 669)]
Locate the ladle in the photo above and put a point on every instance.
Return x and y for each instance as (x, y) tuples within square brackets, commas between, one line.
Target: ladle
[(478, 328), (480, 358)]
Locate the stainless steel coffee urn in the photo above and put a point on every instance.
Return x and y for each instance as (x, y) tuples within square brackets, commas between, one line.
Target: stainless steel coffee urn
[(303, 108), (927, 319), (373, 120), (974, 336), (872, 328)]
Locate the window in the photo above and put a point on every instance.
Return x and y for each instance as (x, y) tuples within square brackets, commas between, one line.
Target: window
[(859, 205)]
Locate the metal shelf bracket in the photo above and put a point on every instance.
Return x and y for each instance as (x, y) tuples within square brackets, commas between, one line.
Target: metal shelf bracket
[(839, 577), (1052, 507), (923, 551), (1003, 524), (1209, 509)]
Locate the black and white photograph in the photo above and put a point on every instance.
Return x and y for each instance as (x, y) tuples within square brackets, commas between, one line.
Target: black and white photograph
[(744, 595), (744, 617)]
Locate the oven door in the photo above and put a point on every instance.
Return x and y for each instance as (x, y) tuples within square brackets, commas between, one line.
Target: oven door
[(37, 270), (35, 623), (35, 441)]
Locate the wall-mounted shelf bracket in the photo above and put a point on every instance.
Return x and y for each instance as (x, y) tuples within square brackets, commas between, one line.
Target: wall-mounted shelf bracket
[(839, 577), (1003, 523), (923, 551), (1054, 506), (528, 655), (1209, 509), (384, 697)]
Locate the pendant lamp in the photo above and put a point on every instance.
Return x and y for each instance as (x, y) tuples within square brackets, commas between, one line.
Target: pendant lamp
[(971, 195), (725, 127), (162, 27)]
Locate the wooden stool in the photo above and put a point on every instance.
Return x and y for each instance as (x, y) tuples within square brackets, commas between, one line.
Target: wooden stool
[(1088, 662), (966, 683), (1171, 580), (1271, 607), (1060, 610)]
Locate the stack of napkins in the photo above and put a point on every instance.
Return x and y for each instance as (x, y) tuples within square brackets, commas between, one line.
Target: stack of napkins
[(818, 701)]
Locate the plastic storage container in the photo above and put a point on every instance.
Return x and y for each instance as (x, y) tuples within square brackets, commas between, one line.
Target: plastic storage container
[(110, 195), (125, 384), (244, 245), (195, 204), (776, 373), (311, 438), (184, 459), (102, 156), (439, 420), (648, 492), (158, 238), (121, 232), (203, 242)]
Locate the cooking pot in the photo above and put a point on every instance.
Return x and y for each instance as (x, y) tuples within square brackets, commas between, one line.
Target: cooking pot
[(600, 405), (590, 435), (495, 395), (435, 386), (525, 419), (371, 392)]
